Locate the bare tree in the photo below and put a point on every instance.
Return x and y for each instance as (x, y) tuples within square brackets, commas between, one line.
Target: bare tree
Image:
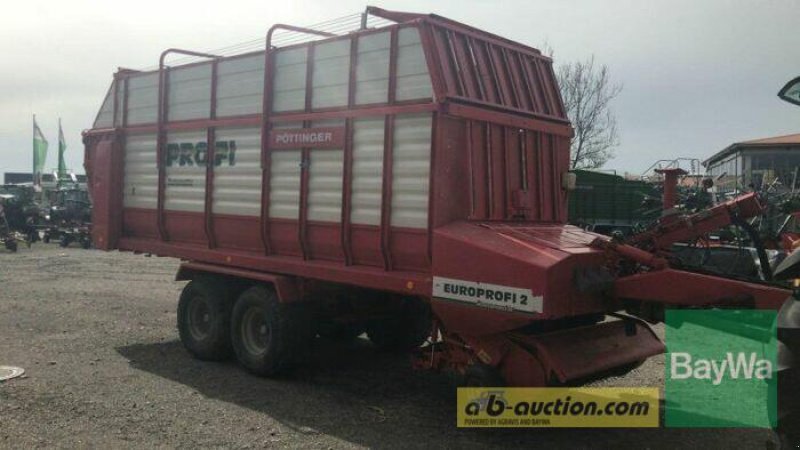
[(587, 92)]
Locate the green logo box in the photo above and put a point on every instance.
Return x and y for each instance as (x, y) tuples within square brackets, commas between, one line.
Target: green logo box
[(720, 368)]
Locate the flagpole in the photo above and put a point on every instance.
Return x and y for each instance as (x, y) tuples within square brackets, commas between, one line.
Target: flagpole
[(33, 172), (60, 156)]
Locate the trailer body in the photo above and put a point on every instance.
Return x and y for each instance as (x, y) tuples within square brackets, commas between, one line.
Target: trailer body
[(424, 159), (372, 144)]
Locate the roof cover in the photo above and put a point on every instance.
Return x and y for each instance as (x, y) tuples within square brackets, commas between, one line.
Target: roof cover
[(775, 141)]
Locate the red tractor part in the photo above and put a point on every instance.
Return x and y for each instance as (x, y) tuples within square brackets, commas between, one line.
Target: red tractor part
[(670, 196)]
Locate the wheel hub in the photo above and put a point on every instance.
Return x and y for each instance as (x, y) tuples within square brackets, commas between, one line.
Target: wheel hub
[(199, 319), (256, 332)]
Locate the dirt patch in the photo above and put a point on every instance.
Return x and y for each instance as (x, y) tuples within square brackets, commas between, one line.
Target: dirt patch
[(96, 334)]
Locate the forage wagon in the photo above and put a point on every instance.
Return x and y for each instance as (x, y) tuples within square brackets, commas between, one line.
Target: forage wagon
[(408, 180)]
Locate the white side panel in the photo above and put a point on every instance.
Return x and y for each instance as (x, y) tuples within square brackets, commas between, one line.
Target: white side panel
[(284, 182), (413, 80), (325, 185), (289, 82), (141, 172), (186, 171), (143, 99), (372, 69), (120, 88), (240, 86), (105, 117), (189, 92), (411, 155), (368, 135), (331, 74), (237, 182)]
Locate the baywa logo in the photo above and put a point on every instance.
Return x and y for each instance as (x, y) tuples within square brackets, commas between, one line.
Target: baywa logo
[(720, 368), (734, 367), (494, 404), (188, 154)]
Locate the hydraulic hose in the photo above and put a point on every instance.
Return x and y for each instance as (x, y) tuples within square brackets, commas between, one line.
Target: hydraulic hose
[(757, 243)]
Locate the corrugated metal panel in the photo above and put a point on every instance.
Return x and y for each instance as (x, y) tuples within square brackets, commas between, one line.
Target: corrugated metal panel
[(143, 99), (237, 181), (372, 68), (120, 93), (331, 74), (141, 172), (368, 136), (325, 185), (186, 171), (496, 73), (411, 156), (516, 173), (240, 86), (105, 117), (284, 191), (289, 83), (413, 80), (190, 92)]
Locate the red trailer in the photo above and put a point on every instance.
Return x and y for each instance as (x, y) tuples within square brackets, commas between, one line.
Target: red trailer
[(408, 180)]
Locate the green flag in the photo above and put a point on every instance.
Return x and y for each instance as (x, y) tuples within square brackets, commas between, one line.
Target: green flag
[(62, 147), (39, 153)]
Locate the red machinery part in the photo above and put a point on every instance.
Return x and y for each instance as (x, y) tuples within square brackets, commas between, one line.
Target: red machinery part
[(670, 186)]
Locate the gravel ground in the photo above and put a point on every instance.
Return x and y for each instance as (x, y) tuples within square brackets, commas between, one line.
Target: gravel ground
[(96, 333)]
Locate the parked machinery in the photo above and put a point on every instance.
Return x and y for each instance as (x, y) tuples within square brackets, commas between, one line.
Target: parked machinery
[(408, 180), (68, 217), (21, 211), (8, 236)]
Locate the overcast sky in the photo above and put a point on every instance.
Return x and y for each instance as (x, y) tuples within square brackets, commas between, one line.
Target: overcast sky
[(697, 75)]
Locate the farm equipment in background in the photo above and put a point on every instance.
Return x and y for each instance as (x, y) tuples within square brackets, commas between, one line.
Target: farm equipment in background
[(21, 212), (8, 236), (606, 202), (68, 217), (779, 225)]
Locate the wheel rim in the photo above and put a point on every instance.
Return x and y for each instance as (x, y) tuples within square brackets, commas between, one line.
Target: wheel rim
[(256, 332), (199, 319)]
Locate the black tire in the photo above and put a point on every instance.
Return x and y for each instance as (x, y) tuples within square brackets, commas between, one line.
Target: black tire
[(46, 238), (269, 337), (11, 245), (64, 241), (204, 313), (342, 332), (406, 329)]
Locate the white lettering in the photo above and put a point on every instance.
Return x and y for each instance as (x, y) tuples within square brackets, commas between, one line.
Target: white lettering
[(303, 137), (742, 365), (685, 363)]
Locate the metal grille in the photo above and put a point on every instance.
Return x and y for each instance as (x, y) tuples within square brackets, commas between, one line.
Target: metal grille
[(492, 72)]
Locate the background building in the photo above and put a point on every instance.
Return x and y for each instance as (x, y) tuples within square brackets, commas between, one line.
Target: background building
[(752, 164)]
